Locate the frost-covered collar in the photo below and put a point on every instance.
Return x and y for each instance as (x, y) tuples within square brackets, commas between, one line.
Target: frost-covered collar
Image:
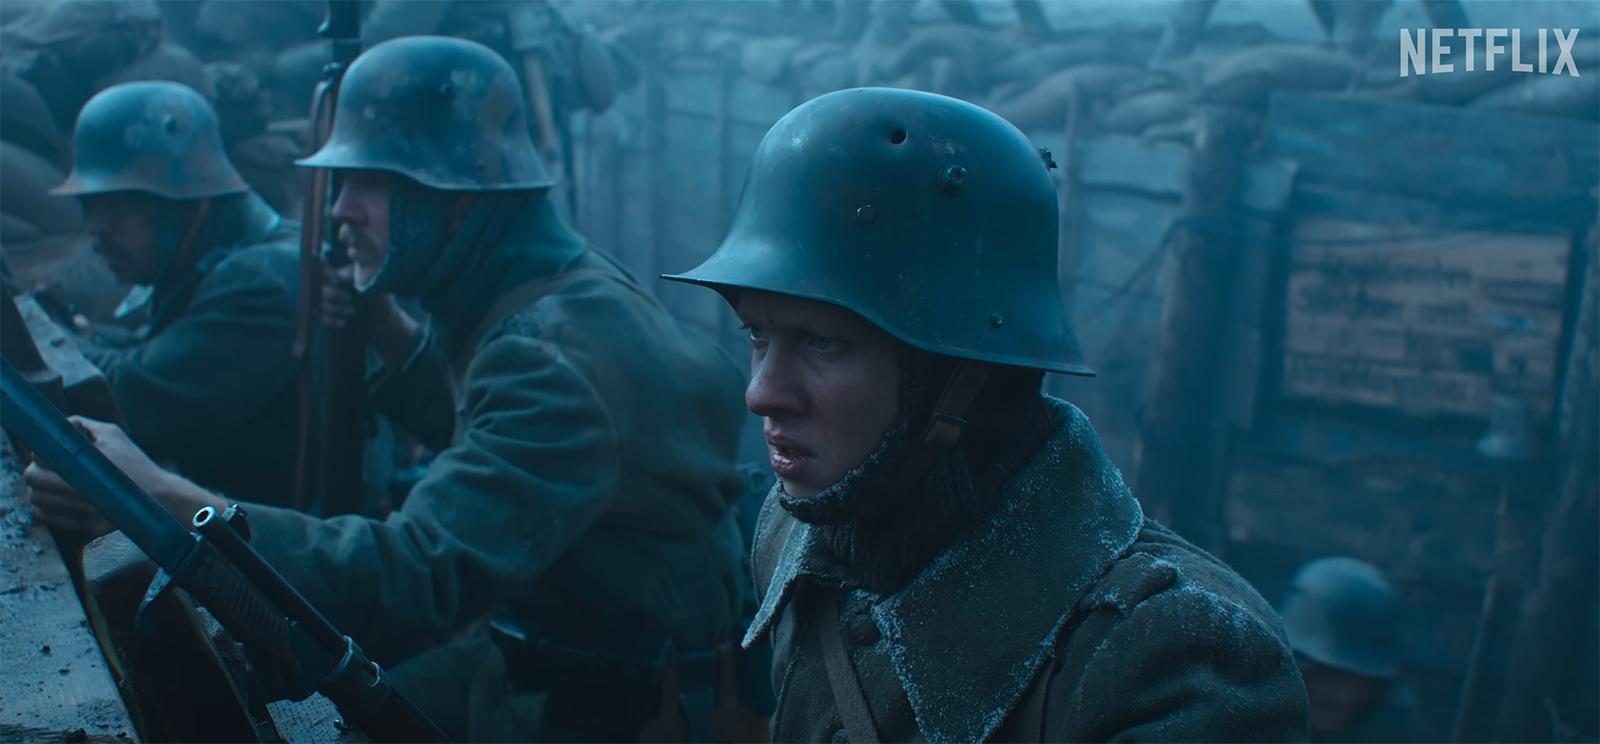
[(969, 632)]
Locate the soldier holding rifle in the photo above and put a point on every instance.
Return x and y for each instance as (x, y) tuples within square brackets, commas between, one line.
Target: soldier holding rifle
[(580, 501)]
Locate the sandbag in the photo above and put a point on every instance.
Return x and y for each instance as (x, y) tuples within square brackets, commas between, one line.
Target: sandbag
[(66, 269), (168, 62), (14, 229), (1182, 131), (88, 38), (266, 162), (1034, 63), (1045, 104), (1246, 77), (968, 47), (1136, 113), (25, 177), (25, 118), (1548, 95)]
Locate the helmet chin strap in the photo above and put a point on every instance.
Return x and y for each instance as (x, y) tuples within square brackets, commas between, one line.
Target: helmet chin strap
[(945, 426), (180, 262)]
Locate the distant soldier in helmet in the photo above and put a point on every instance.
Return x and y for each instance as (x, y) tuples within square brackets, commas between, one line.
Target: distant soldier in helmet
[(580, 498), (948, 554), (209, 387), (1344, 622)]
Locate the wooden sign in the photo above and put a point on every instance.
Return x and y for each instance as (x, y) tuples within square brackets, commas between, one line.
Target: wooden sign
[(1421, 320)]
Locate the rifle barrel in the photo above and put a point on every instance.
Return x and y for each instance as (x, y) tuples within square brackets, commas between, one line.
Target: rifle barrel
[(46, 431)]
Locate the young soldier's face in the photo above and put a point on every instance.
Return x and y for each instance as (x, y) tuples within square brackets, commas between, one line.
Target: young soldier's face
[(825, 382), (363, 206), (123, 226)]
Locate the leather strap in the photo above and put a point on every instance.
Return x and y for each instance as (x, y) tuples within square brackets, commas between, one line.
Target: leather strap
[(1027, 721), (847, 695), (945, 426)]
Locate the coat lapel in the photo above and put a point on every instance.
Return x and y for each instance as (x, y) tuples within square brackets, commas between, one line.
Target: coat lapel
[(971, 630)]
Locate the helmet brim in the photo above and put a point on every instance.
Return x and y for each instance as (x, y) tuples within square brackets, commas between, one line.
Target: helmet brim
[(724, 285)]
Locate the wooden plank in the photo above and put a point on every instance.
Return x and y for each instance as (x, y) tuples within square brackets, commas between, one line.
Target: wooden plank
[(758, 105), (1322, 438), (1388, 510), (86, 391), (1118, 236), (1429, 323), (1444, 153), (1161, 168), (1425, 213), (56, 685), (694, 93)]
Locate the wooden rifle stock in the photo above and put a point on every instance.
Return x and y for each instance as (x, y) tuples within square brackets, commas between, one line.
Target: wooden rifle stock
[(332, 361)]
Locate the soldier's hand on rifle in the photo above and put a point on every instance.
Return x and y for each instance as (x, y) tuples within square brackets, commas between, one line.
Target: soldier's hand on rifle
[(389, 330), (57, 504), (338, 296), (67, 512)]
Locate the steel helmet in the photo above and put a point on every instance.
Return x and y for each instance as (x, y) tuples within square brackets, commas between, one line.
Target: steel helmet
[(932, 218), (1343, 613), (445, 112), (156, 137)]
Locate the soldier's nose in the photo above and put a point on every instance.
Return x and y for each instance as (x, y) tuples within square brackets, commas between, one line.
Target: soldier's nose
[(772, 392)]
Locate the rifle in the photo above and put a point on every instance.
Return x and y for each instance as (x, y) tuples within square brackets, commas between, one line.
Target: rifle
[(529, 29), (328, 464), (293, 648)]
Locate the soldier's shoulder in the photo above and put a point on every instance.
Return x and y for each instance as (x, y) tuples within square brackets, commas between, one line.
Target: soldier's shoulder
[(270, 265), (575, 303), (1170, 644), (1162, 565)]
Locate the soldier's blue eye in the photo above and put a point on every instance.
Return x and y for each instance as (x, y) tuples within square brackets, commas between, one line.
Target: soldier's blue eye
[(757, 335)]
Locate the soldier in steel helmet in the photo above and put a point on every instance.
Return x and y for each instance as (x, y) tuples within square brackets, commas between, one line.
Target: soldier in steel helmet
[(579, 502), (1344, 623), (948, 554), (209, 385)]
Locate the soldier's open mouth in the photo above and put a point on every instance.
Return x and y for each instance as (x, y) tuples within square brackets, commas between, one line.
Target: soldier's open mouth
[(788, 459)]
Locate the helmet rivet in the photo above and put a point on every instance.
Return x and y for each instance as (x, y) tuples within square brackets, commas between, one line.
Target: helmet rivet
[(995, 320), (953, 178), (447, 90), (867, 213), (169, 123)]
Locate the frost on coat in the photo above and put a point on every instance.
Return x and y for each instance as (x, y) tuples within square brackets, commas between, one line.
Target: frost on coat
[(1135, 633)]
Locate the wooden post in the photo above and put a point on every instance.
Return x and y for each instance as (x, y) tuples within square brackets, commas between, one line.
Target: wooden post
[(1181, 447), (1552, 617)]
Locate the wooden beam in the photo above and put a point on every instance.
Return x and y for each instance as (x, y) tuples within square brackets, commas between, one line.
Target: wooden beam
[(1182, 444), (56, 684), (1552, 617), (1445, 153)]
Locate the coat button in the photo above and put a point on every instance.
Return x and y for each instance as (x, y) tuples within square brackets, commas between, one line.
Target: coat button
[(863, 630), (839, 736)]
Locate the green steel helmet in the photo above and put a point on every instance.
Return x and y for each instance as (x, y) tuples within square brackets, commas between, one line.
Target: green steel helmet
[(932, 218), (1342, 612), (157, 137), (444, 112)]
